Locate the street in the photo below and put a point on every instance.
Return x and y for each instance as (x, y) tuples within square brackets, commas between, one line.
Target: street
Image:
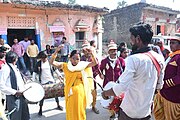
[(51, 113)]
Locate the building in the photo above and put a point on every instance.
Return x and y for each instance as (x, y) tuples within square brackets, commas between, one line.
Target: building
[(178, 25), (47, 22), (117, 22)]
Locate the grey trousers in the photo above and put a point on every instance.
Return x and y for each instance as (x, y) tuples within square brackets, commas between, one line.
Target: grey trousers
[(123, 116), (22, 110)]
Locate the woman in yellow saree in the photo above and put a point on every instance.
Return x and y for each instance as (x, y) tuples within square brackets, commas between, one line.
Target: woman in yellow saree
[(77, 90)]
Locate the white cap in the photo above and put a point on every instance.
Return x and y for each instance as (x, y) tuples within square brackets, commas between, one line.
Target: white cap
[(112, 45)]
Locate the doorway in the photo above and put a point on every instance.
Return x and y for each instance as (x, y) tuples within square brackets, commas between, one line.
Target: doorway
[(20, 34), (158, 29)]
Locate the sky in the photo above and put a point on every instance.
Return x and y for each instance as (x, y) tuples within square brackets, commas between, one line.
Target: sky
[(112, 4)]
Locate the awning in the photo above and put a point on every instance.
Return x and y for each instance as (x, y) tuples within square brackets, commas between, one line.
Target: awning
[(57, 28)]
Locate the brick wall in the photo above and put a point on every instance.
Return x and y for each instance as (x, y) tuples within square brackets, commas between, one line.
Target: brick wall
[(117, 22)]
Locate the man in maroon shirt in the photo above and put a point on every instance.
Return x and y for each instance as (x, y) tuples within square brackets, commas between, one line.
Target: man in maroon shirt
[(95, 70), (167, 102), (112, 67)]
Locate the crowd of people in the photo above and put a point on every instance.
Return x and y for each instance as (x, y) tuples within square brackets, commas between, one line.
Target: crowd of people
[(149, 85)]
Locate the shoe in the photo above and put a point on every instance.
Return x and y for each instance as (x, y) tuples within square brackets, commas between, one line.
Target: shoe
[(60, 108), (95, 110), (40, 113)]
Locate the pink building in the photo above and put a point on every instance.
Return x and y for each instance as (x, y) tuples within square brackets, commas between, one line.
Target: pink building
[(48, 22)]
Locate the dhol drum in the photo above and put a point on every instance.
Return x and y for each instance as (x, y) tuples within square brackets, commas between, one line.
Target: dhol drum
[(34, 92), (112, 103), (54, 90)]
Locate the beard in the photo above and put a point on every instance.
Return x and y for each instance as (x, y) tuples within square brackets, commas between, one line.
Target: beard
[(134, 48)]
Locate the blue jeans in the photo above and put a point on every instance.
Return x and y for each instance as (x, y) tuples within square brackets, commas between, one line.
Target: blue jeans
[(64, 58), (21, 65), (33, 62)]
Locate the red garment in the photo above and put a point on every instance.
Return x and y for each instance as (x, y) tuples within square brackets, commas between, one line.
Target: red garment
[(1, 63)]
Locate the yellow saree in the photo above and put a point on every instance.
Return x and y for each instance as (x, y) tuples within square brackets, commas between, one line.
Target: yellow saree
[(76, 90)]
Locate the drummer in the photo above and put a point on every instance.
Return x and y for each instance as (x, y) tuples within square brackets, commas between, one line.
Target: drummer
[(12, 84), (43, 69), (2, 62), (112, 67)]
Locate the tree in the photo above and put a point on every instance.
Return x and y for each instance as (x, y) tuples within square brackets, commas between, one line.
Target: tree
[(72, 2), (121, 4)]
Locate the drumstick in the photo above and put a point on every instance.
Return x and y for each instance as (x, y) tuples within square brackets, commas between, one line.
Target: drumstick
[(24, 77), (96, 82), (27, 89)]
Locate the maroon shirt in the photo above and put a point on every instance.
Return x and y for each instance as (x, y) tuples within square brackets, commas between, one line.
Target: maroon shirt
[(111, 74), (171, 86)]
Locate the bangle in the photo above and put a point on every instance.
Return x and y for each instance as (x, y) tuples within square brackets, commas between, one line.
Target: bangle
[(54, 56)]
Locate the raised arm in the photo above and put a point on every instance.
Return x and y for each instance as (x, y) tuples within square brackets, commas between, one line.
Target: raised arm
[(94, 60), (54, 55)]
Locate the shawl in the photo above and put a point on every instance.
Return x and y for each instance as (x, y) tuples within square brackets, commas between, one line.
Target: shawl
[(86, 72)]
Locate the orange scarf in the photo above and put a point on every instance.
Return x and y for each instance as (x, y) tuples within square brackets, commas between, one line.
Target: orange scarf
[(174, 53)]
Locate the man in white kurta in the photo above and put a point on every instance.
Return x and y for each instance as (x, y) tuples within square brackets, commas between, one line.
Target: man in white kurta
[(140, 79)]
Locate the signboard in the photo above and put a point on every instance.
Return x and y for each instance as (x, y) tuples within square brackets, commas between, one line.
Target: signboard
[(57, 29)]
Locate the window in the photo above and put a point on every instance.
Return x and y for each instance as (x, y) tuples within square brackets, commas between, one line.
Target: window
[(79, 39)]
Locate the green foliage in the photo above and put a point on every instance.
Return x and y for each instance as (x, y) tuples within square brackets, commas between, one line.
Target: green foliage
[(121, 4)]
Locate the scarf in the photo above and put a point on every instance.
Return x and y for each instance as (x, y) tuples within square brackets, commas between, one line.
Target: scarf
[(82, 66), (174, 53), (141, 50), (112, 62)]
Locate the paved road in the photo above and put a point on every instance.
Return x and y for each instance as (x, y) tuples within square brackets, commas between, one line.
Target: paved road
[(50, 112)]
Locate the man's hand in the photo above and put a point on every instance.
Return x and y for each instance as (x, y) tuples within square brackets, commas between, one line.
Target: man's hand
[(59, 48), (101, 76), (104, 95), (18, 94)]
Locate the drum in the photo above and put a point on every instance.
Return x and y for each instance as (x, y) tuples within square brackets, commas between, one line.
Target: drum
[(54, 90), (34, 92), (112, 103)]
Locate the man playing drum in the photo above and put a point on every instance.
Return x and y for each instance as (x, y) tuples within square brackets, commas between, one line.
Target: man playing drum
[(140, 78), (112, 67), (12, 84), (43, 69), (2, 62)]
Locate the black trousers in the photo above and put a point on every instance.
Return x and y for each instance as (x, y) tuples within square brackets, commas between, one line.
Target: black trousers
[(20, 105), (42, 101), (123, 116)]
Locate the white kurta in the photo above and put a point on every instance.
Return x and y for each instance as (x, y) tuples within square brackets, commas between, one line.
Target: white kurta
[(5, 83), (138, 82)]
